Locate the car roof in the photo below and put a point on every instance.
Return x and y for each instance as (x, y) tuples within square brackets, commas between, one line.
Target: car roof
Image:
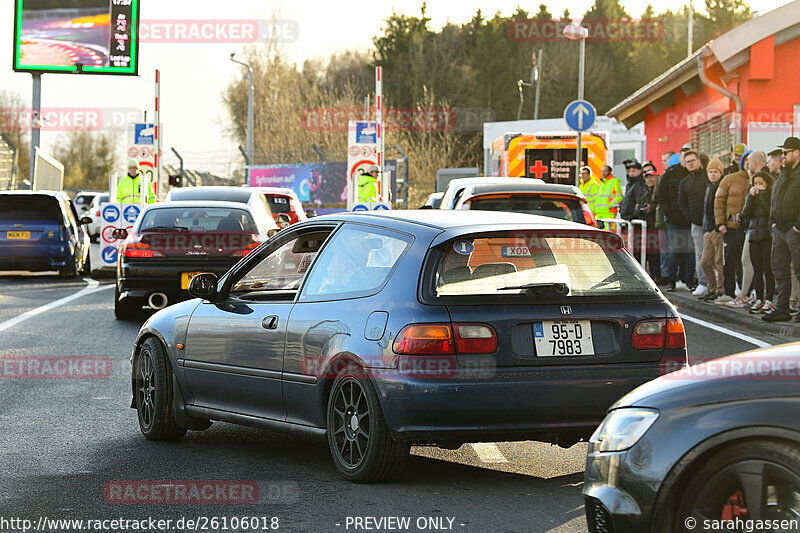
[(522, 187), (23, 192), (274, 190), (486, 179), (449, 219), (198, 203), (220, 193)]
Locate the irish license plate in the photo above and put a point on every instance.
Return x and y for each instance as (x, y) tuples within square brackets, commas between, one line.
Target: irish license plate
[(563, 338), (19, 235), (186, 278)]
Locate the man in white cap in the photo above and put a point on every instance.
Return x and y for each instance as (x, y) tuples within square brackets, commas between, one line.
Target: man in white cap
[(129, 186), (367, 184)]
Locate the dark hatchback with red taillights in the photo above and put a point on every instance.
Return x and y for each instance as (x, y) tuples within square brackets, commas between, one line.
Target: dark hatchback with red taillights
[(173, 241)]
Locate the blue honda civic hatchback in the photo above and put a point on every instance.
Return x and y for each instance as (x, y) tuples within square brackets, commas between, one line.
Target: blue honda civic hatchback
[(376, 332), (41, 231)]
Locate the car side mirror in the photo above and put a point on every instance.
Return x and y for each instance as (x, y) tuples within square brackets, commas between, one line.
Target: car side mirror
[(203, 286), (272, 232), (601, 224), (86, 220), (119, 233), (311, 213)]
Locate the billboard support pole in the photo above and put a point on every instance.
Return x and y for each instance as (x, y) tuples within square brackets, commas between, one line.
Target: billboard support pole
[(36, 125)]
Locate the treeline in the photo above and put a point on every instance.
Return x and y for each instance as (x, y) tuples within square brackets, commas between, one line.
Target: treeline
[(472, 65)]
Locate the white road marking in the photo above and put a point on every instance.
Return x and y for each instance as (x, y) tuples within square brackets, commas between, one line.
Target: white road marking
[(91, 287), (488, 452), (741, 336)]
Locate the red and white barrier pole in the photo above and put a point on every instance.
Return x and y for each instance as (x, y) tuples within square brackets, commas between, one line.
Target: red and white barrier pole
[(157, 143), (379, 126)]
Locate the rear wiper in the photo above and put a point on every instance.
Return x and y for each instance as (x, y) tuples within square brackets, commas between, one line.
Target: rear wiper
[(166, 228), (559, 288), (610, 279)]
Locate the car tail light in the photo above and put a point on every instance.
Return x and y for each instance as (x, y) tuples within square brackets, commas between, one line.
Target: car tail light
[(140, 249), (475, 338), (97, 214), (676, 335), (247, 249), (425, 339), (438, 339), (588, 216), (661, 333)]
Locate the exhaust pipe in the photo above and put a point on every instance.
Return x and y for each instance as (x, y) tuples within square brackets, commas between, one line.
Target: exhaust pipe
[(157, 300)]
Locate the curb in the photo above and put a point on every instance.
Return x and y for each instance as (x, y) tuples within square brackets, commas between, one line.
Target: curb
[(740, 317)]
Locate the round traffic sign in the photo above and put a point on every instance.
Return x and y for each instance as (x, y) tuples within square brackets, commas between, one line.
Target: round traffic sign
[(131, 212), (110, 213), (580, 115), (109, 254), (106, 233)]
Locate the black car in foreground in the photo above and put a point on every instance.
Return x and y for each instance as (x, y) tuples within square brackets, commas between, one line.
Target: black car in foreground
[(171, 242), (715, 446), (376, 331)]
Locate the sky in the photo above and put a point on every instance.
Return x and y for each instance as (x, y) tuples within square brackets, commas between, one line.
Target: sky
[(195, 75)]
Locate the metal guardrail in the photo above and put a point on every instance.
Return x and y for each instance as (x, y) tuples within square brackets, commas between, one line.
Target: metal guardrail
[(618, 224)]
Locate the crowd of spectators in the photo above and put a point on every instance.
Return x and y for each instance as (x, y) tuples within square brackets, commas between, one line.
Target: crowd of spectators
[(731, 235)]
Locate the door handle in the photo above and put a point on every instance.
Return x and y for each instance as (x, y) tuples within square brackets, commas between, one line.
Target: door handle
[(270, 322)]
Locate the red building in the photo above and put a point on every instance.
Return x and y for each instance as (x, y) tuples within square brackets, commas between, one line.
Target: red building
[(743, 86)]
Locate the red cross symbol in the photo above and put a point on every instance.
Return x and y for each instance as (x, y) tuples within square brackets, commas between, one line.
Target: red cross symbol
[(538, 169)]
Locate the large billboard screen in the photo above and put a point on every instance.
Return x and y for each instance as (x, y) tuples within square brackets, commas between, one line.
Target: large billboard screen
[(76, 36)]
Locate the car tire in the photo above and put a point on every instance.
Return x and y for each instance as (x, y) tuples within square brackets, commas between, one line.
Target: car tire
[(715, 486), (70, 273), (361, 456), (152, 382), (87, 266), (125, 310)]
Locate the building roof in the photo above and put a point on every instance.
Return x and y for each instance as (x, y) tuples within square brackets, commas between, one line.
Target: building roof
[(731, 50)]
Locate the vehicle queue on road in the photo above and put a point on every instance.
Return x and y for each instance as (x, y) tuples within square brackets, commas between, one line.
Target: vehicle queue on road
[(376, 332)]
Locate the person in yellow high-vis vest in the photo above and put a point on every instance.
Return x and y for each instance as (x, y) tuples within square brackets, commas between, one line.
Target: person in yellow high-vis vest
[(590, 187), (609, 196), (129, 186)]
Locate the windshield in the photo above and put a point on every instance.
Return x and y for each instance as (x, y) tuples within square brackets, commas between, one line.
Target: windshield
[(279, 204), (197, 219), (34, 207), (563, 208), (539, 264)]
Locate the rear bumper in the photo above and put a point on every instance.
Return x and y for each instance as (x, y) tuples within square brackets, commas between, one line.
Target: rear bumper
[(138, 280), (509, 404), (35, 256)]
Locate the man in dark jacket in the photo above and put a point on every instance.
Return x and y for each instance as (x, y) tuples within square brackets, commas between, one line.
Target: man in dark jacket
[(632, 190), (691, 194), (678, 226), (784, 217)]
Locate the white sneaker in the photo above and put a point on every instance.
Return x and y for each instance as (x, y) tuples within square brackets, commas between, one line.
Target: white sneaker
[(681, 286), (701, 290), (722, 300)]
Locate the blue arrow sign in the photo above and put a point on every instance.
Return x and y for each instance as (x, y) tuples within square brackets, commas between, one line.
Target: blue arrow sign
[(110, 213), (380, 207), (580, 115), (130, 213), (109, 254)]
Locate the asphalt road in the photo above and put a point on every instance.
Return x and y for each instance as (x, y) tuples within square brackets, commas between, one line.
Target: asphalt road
[(65, 440)]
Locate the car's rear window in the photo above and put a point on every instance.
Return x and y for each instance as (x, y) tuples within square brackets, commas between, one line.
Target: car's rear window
[(563, 208), (554, 264), (279, 204), (211, 195), (197, 219), (33, 207)]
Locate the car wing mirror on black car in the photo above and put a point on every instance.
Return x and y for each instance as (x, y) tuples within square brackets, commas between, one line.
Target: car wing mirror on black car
[(119, 233), (86, 220), (272, 232), (601, 224), (203, 286)]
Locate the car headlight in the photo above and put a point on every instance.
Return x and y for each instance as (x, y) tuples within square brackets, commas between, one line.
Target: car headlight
[(622, 428)]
